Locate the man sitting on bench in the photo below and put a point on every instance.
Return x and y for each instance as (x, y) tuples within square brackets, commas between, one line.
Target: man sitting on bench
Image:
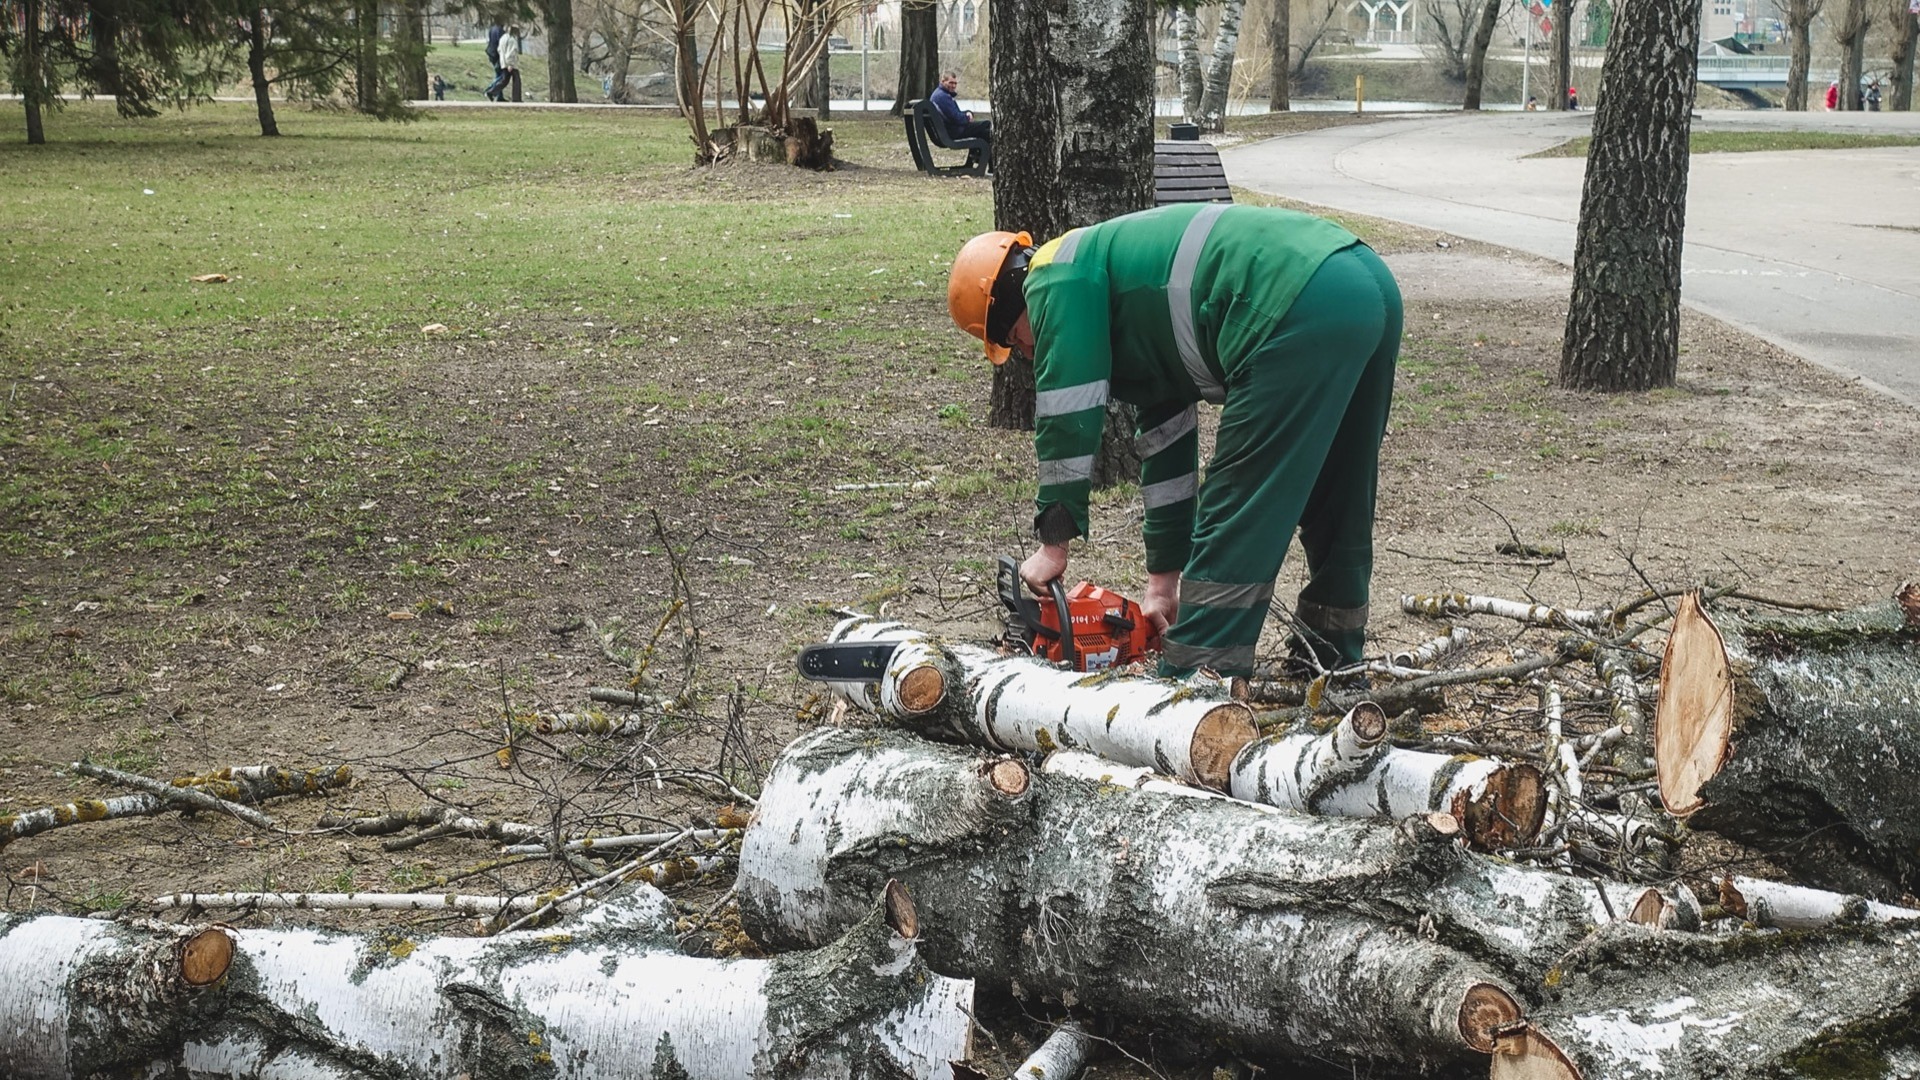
[(960, 123)]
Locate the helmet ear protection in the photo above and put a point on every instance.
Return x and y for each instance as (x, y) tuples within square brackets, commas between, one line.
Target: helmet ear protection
[(1009, 301), (983, 291)]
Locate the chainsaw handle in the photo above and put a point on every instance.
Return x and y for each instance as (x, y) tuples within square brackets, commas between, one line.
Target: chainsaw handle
[(1071, 654)]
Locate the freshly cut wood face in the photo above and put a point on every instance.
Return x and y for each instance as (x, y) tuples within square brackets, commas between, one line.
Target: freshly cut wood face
[(205, 957), (1693, 722), (1527, 1054)]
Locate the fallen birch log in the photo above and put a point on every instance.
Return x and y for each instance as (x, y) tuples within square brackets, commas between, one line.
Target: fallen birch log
[(245, 784), (1445, 605), (466, 905), (611, 999), (1632, 1004), (1060, 1057), (1798, 736), (973, 695), (1351, 771), (1270, 933), (1795, 907)]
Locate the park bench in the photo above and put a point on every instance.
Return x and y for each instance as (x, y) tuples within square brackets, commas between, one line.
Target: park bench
[(1188, 171), (926, 130)]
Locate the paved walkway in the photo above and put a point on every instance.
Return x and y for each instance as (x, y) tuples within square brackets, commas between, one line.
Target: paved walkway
[(1817, 251)]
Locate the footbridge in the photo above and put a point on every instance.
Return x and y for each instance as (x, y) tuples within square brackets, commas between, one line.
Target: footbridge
[(1752, 72)]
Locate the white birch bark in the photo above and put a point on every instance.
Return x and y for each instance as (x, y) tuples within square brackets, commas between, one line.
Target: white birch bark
[(1219, 83), (1445, 605), (1433, 650), (466, 905), (1778, 905), (1270, 932), (1351, 771), (629, 840), (610, 1000), (1023, 703), (1186, 35), (1061, 1057)]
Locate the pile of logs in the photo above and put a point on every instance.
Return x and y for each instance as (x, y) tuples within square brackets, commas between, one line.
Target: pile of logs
[(1326, 887)]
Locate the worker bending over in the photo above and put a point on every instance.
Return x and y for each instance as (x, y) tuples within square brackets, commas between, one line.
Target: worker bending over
[(1287, 322)]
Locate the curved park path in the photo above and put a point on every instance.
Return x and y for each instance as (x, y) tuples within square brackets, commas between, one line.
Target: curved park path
[(1817, 251)]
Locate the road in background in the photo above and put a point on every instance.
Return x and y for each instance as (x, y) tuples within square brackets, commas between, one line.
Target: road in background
[(1817, 251)]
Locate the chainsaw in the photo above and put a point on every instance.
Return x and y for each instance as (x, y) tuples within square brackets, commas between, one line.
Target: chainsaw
[(1087, 628)]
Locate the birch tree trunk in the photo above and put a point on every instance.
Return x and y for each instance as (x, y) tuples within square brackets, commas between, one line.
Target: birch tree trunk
[(1623, 322), (1219, 82), (976, 696), (1820, 724), (82, 997), (1186, 37), (1477, 53), (1364, 946), (1800, 16), (1072, 87), (1189, 913)]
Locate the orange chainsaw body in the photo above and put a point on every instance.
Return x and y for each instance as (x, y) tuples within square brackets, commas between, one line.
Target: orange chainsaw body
[(1108, 630)]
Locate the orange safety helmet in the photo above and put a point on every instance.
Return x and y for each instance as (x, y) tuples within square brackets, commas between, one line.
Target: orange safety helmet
[(977, 283)]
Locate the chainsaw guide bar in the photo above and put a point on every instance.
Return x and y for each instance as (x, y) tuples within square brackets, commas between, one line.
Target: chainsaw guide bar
[(846, 661)]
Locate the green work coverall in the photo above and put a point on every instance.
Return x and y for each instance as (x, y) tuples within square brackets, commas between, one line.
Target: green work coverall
[(1292, 327)]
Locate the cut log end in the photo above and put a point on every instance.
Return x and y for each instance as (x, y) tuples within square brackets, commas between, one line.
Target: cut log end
[(1217, 739), (1485, 1012), (1007, 776), (205, 957), (1731, 899), (1509, 810), (1648, 910), (1369, 723), (1693, 721), (901, 914), (1524, 1052), (1909, 600), (922, 689)]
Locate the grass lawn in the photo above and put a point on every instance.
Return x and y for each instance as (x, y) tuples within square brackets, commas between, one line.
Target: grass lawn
[(1742, 142)]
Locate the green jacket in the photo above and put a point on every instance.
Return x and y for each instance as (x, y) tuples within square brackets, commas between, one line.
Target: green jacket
[(1158, 309)]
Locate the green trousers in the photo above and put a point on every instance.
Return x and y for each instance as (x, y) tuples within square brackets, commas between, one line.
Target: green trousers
[(1299, 447)]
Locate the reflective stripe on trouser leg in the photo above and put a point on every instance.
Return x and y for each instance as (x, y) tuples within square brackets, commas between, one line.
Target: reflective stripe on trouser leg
[(1237, 609), (1284, 410), (1336, 530)]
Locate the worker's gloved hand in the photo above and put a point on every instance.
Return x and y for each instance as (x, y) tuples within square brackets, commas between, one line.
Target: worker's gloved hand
[(1161, 605), (1047, 564)]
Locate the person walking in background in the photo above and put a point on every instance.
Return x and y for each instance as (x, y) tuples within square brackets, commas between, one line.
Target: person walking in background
[(1873, 96), (509, 66), (494, 34), (1573, 98), (1833, 95), (439, 87)]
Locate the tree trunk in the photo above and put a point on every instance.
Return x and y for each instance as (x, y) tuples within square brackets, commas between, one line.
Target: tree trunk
[(1560, 47), (1363, 946), (919, 52), (977, 696), (1800, 16), (1850, 33), (687, 90), (557, 15), (1072, 87), (1350, 770), (1808, 757), (1279, 35), (611, 998), (257, 68), (1219, 81), (413, 49), (1623, 322), (1906, 36), (33, 91), (1477, 54), (366, 57), (1175, 920), (1186, 36)]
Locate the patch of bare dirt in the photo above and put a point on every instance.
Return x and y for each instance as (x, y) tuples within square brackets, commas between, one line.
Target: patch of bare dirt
[(397, 555)]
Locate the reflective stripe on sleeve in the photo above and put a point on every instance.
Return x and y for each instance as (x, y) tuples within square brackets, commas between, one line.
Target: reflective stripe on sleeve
[(1068, 245), (1149, 443), (1180, 302), (1070, 399), (1066, 470), (1168, 492), (1222, 594)]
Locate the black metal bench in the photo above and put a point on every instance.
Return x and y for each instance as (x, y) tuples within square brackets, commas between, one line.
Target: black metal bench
[(1187, 171), (926, 129)]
